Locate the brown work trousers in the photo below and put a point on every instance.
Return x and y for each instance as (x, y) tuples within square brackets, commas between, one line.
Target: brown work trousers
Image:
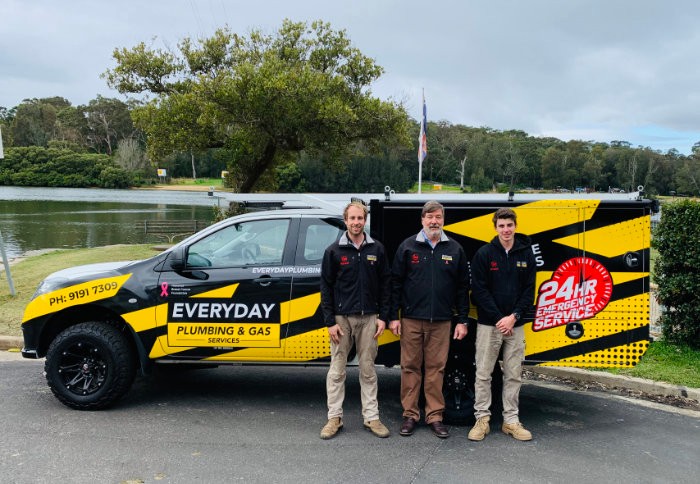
[(423, 344)]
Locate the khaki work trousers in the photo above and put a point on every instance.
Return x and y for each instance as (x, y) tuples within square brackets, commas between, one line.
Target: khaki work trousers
[(359, 329), (488, 344), (423, 344)]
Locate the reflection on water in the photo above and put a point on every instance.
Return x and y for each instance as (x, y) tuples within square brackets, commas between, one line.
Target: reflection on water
[(30, 219)]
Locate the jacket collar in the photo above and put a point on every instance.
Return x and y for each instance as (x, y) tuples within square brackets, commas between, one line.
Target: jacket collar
[(345, 240), (521, 241), (422, 238)]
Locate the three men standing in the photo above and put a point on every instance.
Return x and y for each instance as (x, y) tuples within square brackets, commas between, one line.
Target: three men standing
[(355, 288), (429, 285), (430, 282)]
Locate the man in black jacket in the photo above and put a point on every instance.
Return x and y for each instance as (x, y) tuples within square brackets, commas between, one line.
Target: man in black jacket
[(503, 289), (354, 290), (430, 282)]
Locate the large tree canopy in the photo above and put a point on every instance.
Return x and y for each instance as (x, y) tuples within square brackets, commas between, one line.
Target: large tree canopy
[(263, 97)]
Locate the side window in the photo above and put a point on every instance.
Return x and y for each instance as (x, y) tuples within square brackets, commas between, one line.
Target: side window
[(317, 235), (258, 242)]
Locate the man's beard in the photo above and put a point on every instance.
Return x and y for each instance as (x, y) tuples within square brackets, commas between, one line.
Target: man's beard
[(434, 232)]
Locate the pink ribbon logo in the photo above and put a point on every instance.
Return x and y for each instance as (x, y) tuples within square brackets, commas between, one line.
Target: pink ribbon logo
[(164, 290)]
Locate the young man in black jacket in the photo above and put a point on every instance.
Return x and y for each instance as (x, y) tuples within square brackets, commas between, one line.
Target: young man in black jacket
[(355, 296), (503, 289), (430, 283)]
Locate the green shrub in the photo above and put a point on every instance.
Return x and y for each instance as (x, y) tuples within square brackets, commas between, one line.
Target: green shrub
[(115, 177), (53, 167), (677, 271)]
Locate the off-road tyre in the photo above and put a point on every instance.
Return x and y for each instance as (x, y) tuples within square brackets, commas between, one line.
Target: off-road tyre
[(90, 366)]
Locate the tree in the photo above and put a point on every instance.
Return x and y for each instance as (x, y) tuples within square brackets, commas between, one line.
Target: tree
[(108, 121), (34, 122), (70, 129), (514, 166), (131, 156), (688, 176), (305, 88)]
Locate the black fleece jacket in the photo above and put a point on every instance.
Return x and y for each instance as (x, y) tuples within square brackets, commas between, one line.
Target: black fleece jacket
[(430, 284), (355, 281), (503, 282)]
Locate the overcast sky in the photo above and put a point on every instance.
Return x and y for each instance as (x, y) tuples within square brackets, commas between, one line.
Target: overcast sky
[(600, 70)]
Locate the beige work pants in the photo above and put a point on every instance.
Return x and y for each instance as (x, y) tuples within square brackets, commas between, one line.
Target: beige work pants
[(359, 329), (488, 344)]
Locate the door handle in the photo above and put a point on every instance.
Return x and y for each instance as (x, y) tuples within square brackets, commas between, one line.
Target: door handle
[(266, 280)]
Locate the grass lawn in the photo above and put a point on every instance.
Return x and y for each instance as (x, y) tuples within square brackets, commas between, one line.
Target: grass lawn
[(199, 182), (28, 273), (679, 365)]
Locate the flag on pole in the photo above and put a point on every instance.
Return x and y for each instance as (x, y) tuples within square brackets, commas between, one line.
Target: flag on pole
[(422, 137)]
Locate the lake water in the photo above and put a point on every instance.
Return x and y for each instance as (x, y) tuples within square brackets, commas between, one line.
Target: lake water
[(43, 218)]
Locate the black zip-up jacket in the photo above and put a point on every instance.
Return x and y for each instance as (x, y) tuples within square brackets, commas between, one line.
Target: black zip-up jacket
[(430, 284), (355, 281), (504, 283)]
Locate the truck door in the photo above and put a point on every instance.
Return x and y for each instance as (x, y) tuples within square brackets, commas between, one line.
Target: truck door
[(229, 301), (307, 336)]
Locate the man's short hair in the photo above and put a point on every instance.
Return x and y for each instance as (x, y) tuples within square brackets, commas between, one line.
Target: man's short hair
[(504, 213), (359, 205), (432, 206)]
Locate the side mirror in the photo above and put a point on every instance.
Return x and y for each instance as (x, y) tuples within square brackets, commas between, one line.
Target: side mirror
[(177, 259)]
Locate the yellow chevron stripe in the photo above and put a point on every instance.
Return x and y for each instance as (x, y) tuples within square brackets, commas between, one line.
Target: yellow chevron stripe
[(615, 239), (143, 319), (222, 292), (620, 277), (533, 218), (299, 308)]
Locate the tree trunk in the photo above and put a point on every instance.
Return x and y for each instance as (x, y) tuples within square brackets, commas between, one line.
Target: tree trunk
[(194, 170), (259, 167)]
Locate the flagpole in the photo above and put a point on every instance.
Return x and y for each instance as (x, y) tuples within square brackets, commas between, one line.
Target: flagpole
[(3, 254), (422, 145)]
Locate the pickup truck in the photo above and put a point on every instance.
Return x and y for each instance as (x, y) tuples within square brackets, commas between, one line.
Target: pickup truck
[(246, 291)]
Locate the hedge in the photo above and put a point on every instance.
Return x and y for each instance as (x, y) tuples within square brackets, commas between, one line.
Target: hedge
[(677, 271), (52, 167)]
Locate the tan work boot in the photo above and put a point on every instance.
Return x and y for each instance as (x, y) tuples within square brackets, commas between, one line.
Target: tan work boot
[(377, 428), (331, 428), (517, 431), (480, 430)]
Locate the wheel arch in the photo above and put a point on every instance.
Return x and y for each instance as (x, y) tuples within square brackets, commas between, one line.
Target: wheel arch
[(86, 313)]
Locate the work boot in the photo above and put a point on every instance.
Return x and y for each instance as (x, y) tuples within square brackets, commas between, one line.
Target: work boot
[(408, 426), (377, 428), (331, 428), (517, 430), (480, 430)]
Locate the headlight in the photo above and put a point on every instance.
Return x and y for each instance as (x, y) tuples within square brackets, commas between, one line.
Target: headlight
[(48, 285)]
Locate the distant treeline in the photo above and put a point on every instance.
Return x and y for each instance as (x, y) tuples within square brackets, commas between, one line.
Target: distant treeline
[(49, 142)]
